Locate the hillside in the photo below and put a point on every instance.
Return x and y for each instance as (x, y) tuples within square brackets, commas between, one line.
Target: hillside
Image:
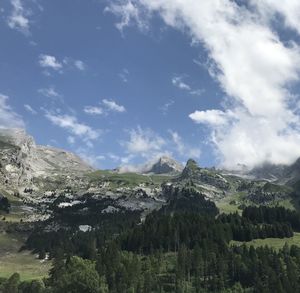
[(57, 202)]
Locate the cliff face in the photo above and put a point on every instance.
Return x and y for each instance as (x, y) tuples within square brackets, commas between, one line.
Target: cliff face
[(21, 159)]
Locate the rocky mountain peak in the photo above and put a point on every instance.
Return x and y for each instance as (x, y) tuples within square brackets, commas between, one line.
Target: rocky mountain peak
[(192, 164), (199, 175), (165, 165), (190, 168), (17, 137)]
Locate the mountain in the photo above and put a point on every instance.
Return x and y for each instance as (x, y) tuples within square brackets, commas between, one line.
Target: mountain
[(267, 171), (47, 176), (203, 176), (164, 165), (291, 174), (22, 160), (277, 173)]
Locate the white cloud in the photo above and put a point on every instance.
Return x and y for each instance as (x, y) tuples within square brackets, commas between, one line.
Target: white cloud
[(124, 75), (49, 92), (113, 106), (129, 13), (73, 63), (253, 66), (92, 110), (80, 65), (48, 61), (144, 142), (89, 157), (197, 92), (51, 62), (140, 168), (114, 157), (105, 107), (30, 109), (184, 150), (19, 17), (289, 9), (211, 117), (8, 117), (179, 82), (73, 126)]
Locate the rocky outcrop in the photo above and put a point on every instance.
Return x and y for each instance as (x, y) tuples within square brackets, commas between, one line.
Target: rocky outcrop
[(200, 176), (21, 159)]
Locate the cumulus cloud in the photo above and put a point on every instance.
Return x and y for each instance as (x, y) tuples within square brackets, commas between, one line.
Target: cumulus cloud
[(288, 9), (113, 106), (51, 62), (19, 17), (144, 142), (74, 127), (48, 61), (253, 66), (30, 109), (211, 117), (8, 117)]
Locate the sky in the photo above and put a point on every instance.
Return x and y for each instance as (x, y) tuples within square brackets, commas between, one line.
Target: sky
[(122, 82)]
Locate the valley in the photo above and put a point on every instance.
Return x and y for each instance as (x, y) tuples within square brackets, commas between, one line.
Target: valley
[(57, 210)]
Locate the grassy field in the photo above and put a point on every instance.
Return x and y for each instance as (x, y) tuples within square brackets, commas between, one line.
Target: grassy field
[(276, 243), (24, 263), (231, 203), (127, 179), (17, 211)]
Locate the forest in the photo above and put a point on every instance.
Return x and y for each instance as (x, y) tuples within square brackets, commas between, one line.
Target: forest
[(183, 247)]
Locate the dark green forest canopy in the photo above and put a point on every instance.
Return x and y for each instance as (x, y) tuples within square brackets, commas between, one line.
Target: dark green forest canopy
[(183, 247)]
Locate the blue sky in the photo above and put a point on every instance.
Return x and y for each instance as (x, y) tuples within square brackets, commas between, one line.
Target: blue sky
[(123, 82)]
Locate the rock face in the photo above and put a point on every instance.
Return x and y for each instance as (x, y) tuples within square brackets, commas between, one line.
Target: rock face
[(165, 165), (21, 159), (203, 176)]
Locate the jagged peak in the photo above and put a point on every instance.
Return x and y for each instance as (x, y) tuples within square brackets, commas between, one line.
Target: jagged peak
[(164, 165), (192, 164)]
